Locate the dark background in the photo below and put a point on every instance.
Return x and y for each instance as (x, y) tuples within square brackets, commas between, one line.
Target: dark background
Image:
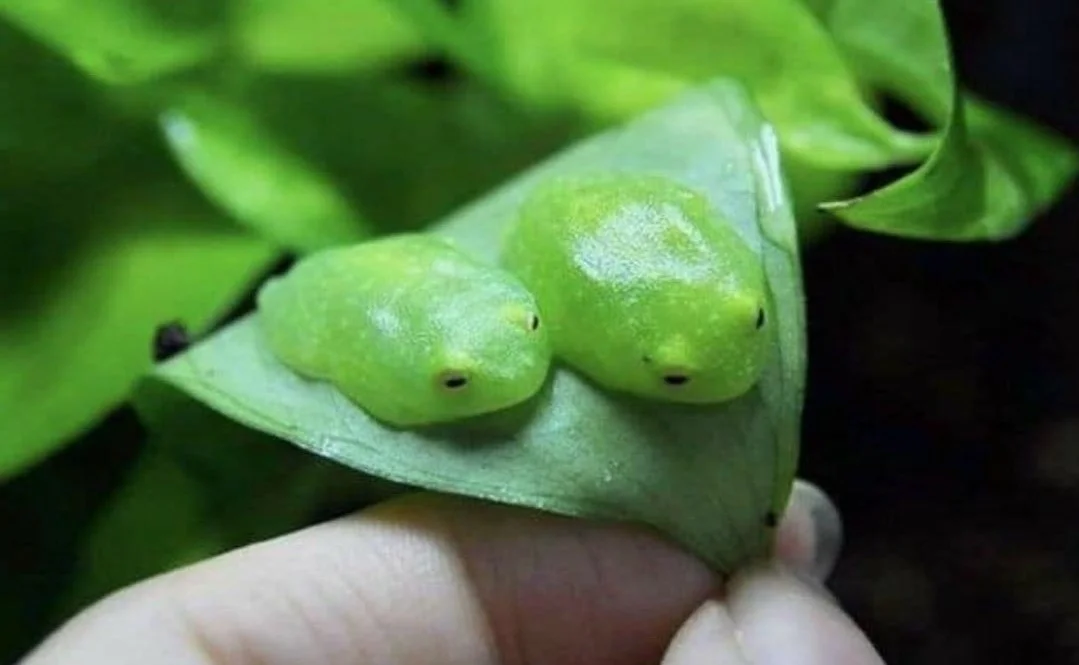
[(943, 404), (942, 413)]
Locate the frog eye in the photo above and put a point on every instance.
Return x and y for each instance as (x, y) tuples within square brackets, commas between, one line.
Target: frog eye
[(525, 318), (760, 318), (453, 380)]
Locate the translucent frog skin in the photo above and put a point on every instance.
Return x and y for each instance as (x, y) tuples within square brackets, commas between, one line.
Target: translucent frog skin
[(645, 289), (409, 328)]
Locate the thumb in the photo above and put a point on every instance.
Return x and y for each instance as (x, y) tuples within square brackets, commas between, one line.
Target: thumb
[(779, 613)]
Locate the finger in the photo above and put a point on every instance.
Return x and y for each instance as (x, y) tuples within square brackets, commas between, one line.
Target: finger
[(785, 620), (426, 580), (709, 636), (810, 535), (269, 599), (771, 617), (748, 628)]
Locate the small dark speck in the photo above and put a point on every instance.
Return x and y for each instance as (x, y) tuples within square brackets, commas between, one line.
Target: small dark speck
[(676, 379), (434, 70), (170, 339), (770, 519), (760, 318), (534, 323)]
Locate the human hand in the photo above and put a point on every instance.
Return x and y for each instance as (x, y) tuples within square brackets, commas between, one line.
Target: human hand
[(437, 579)]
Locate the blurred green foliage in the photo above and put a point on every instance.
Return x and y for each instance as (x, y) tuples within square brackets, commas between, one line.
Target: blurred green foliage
[(156, 158)]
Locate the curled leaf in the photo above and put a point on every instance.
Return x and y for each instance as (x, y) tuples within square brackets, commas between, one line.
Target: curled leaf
[(992, 171), (712, 477)]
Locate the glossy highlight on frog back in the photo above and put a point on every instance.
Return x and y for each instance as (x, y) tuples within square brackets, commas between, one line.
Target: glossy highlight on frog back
[(647, 288), (409, 328)]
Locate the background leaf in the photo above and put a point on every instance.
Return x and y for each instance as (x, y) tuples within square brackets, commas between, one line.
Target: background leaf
[(615, 60), (293, 36), (260, 182), (707, 476), (45, 512), (156, 521), (442, 28), (124, 41), (410, 150), (205, 485), (73, 341), (52, 120), (992, 171)]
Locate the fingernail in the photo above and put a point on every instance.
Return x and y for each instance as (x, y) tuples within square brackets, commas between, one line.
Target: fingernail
[(826, 529)]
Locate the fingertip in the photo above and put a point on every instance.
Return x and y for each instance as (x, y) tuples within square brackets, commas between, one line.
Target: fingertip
[(708, 636), (785, 620), (810, 536)]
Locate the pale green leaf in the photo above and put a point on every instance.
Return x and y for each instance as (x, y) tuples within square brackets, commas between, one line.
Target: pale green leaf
[(712, 478)]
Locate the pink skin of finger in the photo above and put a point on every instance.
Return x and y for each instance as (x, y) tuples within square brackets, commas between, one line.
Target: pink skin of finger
[(435, 579)]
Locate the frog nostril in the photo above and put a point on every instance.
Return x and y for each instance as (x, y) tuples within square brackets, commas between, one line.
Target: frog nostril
[(453, 380), (675, 379)]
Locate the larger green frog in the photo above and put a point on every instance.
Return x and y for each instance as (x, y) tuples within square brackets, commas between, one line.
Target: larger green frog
[(646, 288)]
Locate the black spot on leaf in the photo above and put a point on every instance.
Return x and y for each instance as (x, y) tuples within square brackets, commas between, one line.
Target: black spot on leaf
[(170, 339)]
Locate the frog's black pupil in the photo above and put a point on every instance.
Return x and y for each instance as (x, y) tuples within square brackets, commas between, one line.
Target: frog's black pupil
[(760, 318), (455, 382), (534, 323), (676, 379)]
